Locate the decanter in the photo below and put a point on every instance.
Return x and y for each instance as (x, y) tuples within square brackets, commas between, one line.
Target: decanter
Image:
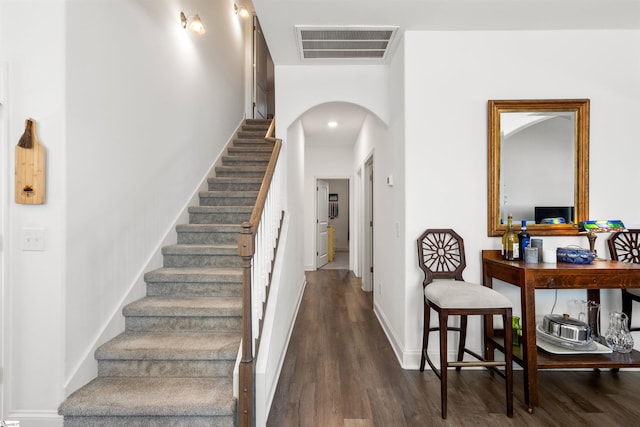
[(618, 337)]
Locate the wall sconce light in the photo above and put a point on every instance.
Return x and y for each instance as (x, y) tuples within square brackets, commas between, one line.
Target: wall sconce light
[(193, 22), (240, 10)]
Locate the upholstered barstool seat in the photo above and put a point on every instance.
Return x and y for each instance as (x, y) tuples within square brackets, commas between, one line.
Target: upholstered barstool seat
[(466, 295)]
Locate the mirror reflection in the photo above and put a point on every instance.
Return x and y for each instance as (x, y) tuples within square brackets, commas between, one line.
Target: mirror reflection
[(538, 165)]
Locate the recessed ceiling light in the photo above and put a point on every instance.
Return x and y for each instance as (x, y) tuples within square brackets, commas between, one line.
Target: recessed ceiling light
[(332, 124)]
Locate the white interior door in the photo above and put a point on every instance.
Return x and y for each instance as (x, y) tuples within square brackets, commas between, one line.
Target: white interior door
[(367, 274), (260, 90), (322, 221)]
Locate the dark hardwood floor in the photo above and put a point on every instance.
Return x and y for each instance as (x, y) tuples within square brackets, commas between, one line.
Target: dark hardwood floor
[(340, 370)]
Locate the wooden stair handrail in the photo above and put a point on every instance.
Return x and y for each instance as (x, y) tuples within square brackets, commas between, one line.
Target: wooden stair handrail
[(270, 135), (256, 214), (246, 250)]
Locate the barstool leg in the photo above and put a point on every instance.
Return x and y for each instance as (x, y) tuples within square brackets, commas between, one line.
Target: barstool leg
[(444, 318), (425, 335), (463, 340), (508, 357)]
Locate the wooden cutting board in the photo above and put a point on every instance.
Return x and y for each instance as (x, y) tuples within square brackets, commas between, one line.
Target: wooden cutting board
[(30, 167)]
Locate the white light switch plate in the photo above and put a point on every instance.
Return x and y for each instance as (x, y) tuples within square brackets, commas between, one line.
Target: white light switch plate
[(33, 239)]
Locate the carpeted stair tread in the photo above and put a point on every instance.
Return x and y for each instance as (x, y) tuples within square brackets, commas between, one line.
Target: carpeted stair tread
[(219, 214), (265, 149), (228, 194), (170, 346), (241, 170), (200, 255), (194, 275), (257, 134), (185, 307), (248, 142), (194, 282), (262, 125), (249, 180), (152, 396), (192, 249), (222, 209), (197, 256), (245, 160), (208, 228), (208, 234), (257, 155), (228, 198), (234, 183)]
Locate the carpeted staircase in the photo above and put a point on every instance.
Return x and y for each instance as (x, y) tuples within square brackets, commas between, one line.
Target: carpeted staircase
[(173, 364)]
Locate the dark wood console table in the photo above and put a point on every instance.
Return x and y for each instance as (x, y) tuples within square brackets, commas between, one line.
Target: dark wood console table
[(601, 274)]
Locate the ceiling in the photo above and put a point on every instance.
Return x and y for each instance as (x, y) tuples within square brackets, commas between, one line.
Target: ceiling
[(279, 19)]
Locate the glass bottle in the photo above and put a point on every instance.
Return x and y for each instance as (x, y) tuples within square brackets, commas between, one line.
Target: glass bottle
[(524, 239), (510, 249), (618, 337), (516, 331), (593, 320)]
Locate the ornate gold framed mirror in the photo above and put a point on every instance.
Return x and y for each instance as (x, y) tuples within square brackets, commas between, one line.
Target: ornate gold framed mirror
[(538, 165)]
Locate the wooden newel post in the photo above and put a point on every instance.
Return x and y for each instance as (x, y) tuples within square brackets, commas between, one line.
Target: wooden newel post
[(246, 403)]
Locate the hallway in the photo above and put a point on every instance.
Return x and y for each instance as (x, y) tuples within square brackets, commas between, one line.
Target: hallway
[(340, 370), (340, 262)]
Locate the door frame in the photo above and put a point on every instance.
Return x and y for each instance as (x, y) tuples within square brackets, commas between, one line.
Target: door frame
[(4, 209), (352, 218)]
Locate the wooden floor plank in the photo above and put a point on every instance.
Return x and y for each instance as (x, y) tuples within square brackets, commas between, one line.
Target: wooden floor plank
[(340, 370), (358, 423)]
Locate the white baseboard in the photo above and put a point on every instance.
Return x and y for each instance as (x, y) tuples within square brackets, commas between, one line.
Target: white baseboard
[(409, 359), (35, 418)]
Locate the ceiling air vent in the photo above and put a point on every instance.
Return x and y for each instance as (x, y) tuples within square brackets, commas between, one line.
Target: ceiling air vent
[(351, 42)]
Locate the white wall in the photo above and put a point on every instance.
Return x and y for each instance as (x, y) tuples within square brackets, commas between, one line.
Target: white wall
[(128, 182), (32, 303), (382, 143), (299, 88), (133, 110), (395, 296), (449, 78)]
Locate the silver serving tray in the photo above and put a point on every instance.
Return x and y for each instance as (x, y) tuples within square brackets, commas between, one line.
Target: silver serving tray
[(566, 327), (589, 345)]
